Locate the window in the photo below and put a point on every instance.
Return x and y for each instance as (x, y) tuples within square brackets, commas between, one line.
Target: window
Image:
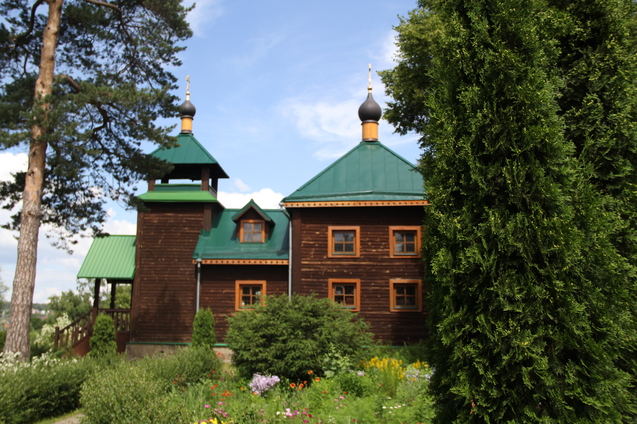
[(345, 292), (405, 295), (343, 241), (249, 294), (252, 231), (404, 242)]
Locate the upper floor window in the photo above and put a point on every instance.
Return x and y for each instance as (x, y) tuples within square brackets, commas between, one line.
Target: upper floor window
[(404, 241), (252, 231), (405, 295), (345, 292), (248, 294), (343, 241)]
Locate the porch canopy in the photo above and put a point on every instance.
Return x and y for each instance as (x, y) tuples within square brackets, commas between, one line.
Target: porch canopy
[(112, 258)]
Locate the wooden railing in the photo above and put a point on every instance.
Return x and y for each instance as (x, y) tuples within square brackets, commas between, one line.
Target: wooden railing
[(81, 329)]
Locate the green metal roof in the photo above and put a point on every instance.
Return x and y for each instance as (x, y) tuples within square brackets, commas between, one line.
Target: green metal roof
[(252, 205), (189, 151), (110, 257), (222, 241), (368, 172), (178, 193)]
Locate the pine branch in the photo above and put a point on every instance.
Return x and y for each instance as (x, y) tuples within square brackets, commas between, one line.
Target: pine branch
[(70, 81), (29, 30), (104, 4)]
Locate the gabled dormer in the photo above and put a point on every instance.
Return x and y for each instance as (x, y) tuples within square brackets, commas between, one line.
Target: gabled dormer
[(254, 225)]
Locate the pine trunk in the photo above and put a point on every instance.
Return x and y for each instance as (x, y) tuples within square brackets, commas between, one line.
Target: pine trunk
[(24, 280)]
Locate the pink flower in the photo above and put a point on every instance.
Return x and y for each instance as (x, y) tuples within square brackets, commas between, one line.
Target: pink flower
[(206, 406)]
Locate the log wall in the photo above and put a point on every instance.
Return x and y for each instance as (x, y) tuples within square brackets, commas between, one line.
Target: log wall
[(164, 292), (375, 268), (218, 283)]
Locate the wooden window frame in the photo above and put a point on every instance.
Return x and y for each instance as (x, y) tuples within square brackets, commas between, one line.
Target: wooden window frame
[(392, 241), (252, 221), (392, 295), (332, 282), (238, 293), (330, 241)]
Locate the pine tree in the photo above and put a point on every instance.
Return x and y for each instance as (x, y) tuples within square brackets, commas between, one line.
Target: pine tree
[(82, 82), (521, 271)]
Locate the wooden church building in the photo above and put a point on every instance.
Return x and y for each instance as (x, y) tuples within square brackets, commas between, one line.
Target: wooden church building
[(351, 233)]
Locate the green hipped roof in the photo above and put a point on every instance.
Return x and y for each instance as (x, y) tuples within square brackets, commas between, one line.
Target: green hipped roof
[(178, 193), (368, 172), (110, 257), (189, 152), (222, 241)]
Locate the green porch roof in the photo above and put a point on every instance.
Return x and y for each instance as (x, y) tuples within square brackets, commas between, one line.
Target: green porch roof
[(368, 172), (222, 241), (178, 193), (110, 257)]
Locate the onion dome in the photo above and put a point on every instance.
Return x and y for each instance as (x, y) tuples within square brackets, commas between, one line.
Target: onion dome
[(370, 112), (188, 111)]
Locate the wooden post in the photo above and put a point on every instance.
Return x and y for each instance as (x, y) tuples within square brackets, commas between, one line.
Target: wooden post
[(113, 293), (96, 293)]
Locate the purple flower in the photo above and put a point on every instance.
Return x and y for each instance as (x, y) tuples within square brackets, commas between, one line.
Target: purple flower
[(262, 383)]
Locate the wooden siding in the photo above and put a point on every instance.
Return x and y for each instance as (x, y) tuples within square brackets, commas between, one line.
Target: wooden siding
[(164, 292), (218, 288), (312, 268)]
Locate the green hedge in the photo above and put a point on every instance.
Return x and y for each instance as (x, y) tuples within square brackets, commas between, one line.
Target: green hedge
[(43, 389), (139, 391)]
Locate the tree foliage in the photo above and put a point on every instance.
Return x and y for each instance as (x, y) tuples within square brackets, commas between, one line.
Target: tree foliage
[(528, 131), (74, 305), (111, 83), (81, 84)]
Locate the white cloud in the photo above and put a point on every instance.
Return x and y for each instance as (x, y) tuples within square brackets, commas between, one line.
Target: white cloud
[(11, 163), (204, 15), (256, 49), (389, 50), (266, 198), (240, 185)]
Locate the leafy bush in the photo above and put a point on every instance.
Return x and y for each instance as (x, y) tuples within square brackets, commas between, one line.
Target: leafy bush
[(145, 391), (103, 339), (43, 388), (127, 394), (289, 337), (203, 329)]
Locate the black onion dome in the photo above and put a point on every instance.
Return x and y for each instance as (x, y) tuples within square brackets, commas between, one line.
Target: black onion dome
[(370, 110), (188, 109)]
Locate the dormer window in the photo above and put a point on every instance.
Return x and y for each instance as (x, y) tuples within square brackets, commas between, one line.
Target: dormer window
[(252, 231)]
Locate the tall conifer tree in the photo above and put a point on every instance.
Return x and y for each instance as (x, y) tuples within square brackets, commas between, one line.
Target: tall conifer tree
[(81, 82), (528, 304)]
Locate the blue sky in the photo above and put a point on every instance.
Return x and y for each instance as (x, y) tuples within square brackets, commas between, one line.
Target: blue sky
[(277, 85)]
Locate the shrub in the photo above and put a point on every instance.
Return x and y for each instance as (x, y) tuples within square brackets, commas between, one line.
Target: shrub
[(289, 337), (203, 329), (3, 338), (103, 339), (126, 394), (144, 391), (44, 388)]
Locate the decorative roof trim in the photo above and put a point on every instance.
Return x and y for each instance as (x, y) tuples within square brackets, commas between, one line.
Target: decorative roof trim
[(243, 261), (356, 203)]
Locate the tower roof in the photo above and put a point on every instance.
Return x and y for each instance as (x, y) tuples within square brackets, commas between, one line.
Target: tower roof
[(368, 172), (189, 152)]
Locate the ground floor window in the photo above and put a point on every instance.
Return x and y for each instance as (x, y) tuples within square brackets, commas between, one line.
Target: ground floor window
[(249, 293), (405, 295), (345, 292)]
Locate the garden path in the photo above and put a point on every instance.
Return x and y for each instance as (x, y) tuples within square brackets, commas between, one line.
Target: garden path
[(71, 420)]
